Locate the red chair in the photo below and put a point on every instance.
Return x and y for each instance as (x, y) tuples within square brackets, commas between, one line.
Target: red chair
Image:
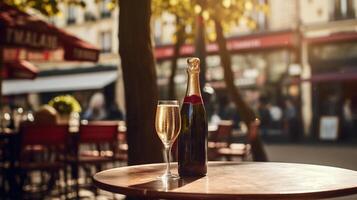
[(49, 160), (224, 131), (220, 145), (253, 147), (220, 138), (103, 136), (101, 139)]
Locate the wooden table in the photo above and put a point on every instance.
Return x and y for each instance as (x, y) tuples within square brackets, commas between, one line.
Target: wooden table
[(233, 180)]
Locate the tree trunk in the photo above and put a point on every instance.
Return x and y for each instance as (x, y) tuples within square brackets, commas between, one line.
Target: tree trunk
[(245, 112), (1, 78), (141, 92), (179, 41)]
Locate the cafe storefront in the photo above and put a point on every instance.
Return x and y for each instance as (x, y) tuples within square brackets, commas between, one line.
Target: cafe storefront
[(333, 61), (261, 63)]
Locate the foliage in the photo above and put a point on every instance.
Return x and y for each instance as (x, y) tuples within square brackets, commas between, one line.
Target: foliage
[(51, 7), (45, 7), (183, 10), (65, 104), (230, 13)]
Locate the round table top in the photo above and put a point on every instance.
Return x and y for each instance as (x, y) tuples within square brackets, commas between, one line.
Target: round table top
[(233, 180)]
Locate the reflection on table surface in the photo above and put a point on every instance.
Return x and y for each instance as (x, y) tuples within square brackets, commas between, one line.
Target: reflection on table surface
[(228, 180)]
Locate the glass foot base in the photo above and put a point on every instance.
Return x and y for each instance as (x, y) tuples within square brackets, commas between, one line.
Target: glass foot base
[(169, 177)]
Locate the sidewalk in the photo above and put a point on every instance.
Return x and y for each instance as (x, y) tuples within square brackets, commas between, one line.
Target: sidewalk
[(342, 155)]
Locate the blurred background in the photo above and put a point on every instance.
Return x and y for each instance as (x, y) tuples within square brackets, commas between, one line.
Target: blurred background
[(293, 63)]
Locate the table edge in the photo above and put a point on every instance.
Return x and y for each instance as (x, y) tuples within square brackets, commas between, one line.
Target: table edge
[(179, 195)]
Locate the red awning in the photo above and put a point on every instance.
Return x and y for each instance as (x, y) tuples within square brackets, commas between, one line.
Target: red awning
[(285, 39), (330, 77), (19, 70), (19, 30), (334, 38), (325, 77), (77, 49)]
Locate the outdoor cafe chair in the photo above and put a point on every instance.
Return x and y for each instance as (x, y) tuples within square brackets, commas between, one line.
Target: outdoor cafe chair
[(97, 145), (48, 162), (220, 145), (219, 138), (223, 133)]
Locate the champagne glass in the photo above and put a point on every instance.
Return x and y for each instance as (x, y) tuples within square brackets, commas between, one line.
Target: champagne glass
[(168, 125)]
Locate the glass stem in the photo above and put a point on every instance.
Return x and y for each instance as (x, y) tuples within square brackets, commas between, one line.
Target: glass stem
[(167, 155)]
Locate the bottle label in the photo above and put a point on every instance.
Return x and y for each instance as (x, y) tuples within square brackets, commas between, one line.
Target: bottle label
[(193, 99)]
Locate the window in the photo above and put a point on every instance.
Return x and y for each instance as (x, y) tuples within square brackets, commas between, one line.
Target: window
[(104, 10), (89, 16), (262, 22), (106, 42), (71, 15), (157, 31), (343, 9), (262, 17), (52, 20)]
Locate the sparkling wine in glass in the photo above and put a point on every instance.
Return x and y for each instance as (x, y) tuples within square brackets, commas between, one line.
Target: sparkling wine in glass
[(168, 125)]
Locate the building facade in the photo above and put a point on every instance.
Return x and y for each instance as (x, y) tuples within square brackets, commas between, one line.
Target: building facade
[(317, 36), (290, 53), (96, 23), (328, 56)]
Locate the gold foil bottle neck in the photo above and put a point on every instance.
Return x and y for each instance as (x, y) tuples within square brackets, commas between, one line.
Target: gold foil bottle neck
[(193, 70), (193, 65)]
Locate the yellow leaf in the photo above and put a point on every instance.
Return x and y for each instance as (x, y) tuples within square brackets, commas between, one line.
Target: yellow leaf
[(110, 6), (173, 2), (212, 36), (205, 15), (198, 9), (248, 5), (226, 3), (59, 14), (252, 25)]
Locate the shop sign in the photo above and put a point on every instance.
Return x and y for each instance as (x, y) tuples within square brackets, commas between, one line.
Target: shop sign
[(164, 52), (328, 128), (81, 54), (243, 43), (19, 37)]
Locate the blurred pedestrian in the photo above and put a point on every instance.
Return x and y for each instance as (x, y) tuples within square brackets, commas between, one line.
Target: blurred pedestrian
[(264, 116), (291, 120), (215, 118), (114, 113), (230, 113), (276, 116), (96, 109), (347, 118)]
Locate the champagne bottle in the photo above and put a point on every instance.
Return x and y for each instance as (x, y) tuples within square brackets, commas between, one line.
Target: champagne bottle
[(192, 141)]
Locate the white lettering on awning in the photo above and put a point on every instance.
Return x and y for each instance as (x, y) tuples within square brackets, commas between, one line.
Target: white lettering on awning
[(30, 38)]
